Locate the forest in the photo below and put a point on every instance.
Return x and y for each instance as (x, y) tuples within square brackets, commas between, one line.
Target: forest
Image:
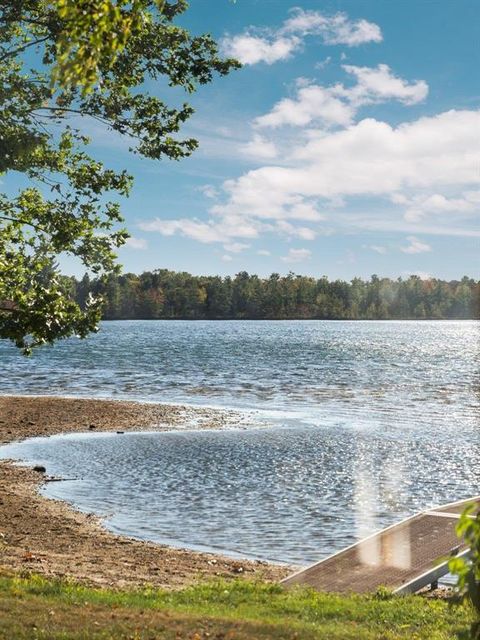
[(165, 294)]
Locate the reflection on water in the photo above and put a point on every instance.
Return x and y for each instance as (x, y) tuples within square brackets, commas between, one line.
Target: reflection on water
[(287, 494)]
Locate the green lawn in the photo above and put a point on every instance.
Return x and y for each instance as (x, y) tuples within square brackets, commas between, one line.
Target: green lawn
[(34, 608)]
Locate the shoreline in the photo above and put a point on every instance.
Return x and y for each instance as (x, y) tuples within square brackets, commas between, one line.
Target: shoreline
[(52, 538)]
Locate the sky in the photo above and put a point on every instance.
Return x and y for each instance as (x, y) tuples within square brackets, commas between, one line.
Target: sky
[(347, 145)]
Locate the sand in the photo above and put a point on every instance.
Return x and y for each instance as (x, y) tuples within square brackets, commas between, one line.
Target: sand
[(51, 538)]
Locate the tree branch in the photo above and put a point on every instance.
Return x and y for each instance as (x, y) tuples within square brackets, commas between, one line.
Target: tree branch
[(10, 54), (69, 110), (26, 222)]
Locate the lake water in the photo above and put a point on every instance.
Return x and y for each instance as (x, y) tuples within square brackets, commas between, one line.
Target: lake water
[(367, 422)]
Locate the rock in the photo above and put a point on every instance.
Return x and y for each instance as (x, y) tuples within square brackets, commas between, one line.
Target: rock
[(237, 568), (120, 432), (40, 468), (92, 426)]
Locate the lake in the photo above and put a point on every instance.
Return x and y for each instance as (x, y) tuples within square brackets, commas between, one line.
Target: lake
[(355, 425)]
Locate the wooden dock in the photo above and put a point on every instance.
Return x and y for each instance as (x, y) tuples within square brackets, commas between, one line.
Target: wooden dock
[(404, 557)]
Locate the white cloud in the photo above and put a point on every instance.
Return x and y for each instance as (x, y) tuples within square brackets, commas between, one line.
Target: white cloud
[(423, 205), (227, 258), (271, 45), (206, 232), (290, 230), (312, 103), (372, 157), (335, 29), (209, 191), (323, 63), (201, 231), (251, 49), (236, 247), (424, 167), (379, 84), (136, 243), (259, 148), (415, 246), (336, 105), (297, 255), (263, 252), (369, 159), (411, 164)]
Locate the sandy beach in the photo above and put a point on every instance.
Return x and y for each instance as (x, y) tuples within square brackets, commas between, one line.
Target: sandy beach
[(49, 537)]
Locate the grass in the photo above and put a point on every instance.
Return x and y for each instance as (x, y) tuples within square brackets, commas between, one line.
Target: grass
[(34, 608)]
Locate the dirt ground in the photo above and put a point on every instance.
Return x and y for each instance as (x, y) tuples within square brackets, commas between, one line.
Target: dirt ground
[(49, 537)]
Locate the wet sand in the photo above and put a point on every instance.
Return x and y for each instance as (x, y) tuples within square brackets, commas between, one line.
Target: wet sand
[(51, 538)]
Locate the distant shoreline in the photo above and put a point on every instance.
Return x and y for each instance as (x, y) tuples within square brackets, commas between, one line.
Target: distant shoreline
[(49, 537), (165, 294), (349, 320)]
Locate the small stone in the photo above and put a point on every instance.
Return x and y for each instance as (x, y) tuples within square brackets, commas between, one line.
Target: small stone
[(39, 468), (92, 426)]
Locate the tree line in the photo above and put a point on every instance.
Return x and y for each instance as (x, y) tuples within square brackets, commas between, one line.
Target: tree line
[(164, 294)]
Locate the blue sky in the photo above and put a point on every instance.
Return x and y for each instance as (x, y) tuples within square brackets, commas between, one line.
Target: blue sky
[(347, 145)]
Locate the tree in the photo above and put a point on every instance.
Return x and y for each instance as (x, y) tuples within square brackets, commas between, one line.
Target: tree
[(92, 60), (468, 570)]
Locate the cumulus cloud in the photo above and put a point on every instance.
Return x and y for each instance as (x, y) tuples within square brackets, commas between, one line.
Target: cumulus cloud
[(335, 29), (271, 45), (421, 206), (336, 105), (423, 167), (415, 246), (297, 255), (259, 148), (372, 157), (251, 49), (263, 252), (312, 103), (379, 84), (368, 159)]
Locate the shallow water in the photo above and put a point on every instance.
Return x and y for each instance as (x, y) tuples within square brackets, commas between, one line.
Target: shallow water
[(369, 422), (285, 494)]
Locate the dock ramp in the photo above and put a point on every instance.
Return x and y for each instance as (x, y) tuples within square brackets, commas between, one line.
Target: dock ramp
[(404, 557)]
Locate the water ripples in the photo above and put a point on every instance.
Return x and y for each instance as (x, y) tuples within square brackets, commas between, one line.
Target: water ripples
[(369, 422)]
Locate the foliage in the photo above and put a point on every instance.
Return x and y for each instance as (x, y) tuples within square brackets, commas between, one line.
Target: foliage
[(96, 33), (91, 61), (167, 294), (238, 609), (468, 570)]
